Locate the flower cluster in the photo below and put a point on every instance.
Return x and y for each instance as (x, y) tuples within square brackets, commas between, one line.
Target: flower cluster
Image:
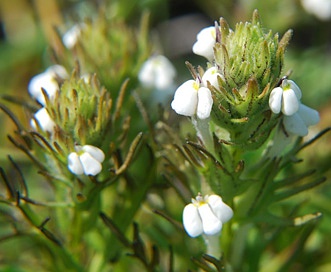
[(297, 116), (46, 86), (206, 215)]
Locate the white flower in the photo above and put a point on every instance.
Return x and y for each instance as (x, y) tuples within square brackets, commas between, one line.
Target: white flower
[(86, 160), (191, 99), (70, 38), (44, 120), (206, 215), (299, 122), (211, 76), (157, 72), (319, 8), (47, 81), (204, 46), (285, 98)]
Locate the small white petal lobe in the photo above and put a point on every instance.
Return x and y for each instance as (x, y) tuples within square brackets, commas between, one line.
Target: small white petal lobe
[(192, 221), (210, 223), (290, 103), (90, 164), (74, 164), (275, 100), (205, 103)]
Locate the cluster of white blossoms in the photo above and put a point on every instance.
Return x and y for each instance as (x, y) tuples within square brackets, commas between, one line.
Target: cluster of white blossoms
[(157, 72), (193, 97), (297, 116), (206, 215), (86, 160)]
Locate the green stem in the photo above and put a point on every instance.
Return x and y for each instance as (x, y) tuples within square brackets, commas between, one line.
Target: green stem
[(238, 246), (213, 245), (203, 132)]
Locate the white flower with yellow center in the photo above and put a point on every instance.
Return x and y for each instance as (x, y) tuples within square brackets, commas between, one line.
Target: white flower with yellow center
[(193, 97), (285, 98), (206, 215), (86, 160), (204, 46)]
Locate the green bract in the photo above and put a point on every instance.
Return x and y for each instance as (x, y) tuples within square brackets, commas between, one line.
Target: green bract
[(251, 62)]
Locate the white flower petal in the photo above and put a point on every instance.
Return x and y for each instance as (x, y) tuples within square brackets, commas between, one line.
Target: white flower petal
[(211, 76), (44, 120), (295, 88), (205, 103), (192, 221), (204, 46), (290, 103), (219, 208), (210, 223), (186, 98), (275, 100), (309, 116), (295, 125), (91, 165), (47, 82), (95, 152), (74, 164)]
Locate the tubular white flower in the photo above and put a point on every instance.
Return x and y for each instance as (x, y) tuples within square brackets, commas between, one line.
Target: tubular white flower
[(299, 122), (186, 98), (194, 98), (204, 46), (285, 98), (157, 72), (44, 120), (47, 81), (211, 75), (206, 215), (86, 160)]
